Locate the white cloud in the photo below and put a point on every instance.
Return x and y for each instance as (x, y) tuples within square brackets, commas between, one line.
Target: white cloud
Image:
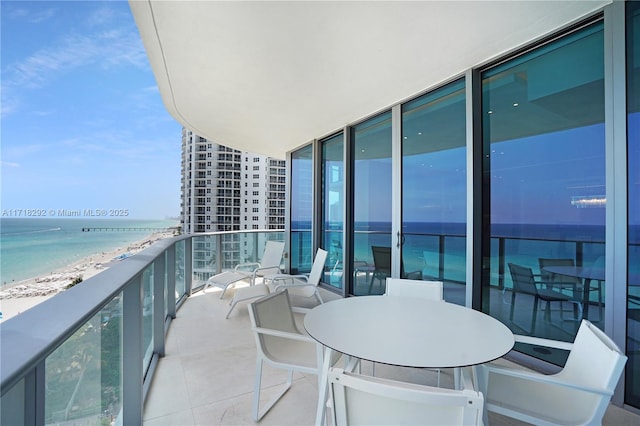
[(9, 164), (26, 15), (111, 49)]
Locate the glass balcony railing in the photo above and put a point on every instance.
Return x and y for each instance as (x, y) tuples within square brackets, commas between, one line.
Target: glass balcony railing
[(72, 360)]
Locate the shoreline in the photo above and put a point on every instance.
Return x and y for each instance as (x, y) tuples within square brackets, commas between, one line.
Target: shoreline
[(17, 297)]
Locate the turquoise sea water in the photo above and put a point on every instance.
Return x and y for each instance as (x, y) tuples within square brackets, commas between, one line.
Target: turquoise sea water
[(34, 247)]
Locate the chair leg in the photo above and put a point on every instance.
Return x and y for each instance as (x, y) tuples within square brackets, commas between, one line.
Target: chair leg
[(534, 315), (256, 390), (258, 414)]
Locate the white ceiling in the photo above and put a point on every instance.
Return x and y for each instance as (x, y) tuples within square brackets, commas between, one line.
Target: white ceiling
[(267, 77)]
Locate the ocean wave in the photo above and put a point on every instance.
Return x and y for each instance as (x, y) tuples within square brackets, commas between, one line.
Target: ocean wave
[(36, 231)]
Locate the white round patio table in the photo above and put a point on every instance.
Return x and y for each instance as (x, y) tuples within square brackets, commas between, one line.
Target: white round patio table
[(406, 332)]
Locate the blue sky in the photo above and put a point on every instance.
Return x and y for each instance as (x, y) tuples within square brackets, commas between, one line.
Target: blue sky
[(83, 125)]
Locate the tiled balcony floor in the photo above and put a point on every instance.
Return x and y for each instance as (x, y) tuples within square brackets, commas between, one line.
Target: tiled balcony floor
[(207, 375)]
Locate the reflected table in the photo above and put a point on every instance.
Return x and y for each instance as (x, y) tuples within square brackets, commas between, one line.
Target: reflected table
[(585, 273), (405, 332)]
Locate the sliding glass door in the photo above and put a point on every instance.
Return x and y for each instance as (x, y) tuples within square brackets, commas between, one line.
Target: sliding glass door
[(371, 153), (434, 189), (544, 183)]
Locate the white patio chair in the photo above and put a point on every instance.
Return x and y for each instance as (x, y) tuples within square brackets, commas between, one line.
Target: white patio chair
[(578, 394), (431, 290), (301, 285), (281, 344), (367, 400), (269, 263)]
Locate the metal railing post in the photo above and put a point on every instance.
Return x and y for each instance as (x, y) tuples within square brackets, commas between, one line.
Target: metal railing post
[(132, 354), (171, 281), (159, 277)]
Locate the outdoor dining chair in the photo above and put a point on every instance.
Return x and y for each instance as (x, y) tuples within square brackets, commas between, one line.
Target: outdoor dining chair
[(578, 395), (365, 400), (280, 344), (402, 287)]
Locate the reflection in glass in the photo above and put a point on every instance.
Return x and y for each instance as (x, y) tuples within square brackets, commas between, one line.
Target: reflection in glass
[(632, 388), (372, 204), (544, 168), (147, 316), (333, 208), (301, 210), (84, 375), (434, 188), (180, 269)]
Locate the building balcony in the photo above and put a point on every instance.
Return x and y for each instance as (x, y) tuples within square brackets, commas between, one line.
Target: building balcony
[(140, 343), (207, 374)]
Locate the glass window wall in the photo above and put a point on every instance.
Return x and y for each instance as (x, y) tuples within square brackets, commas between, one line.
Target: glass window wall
[(332, 232), (301, 210), (371, 153), (544, 187), (632, 389), (434, 189)]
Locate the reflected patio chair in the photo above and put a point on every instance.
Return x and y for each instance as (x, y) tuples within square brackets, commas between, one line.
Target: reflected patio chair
[(381, 263), (524, 282), (366, 400), (382, 267), (280, 344), (268, 264), (301, 285), (579, 394)]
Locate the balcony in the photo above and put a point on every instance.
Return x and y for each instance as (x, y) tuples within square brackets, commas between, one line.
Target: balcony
[(177, 361), (207, 374)]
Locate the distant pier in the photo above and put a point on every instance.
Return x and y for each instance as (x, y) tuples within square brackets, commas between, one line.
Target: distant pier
[(129, 229)]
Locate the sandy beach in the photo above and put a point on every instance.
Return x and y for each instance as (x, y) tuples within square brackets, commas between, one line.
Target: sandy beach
[(22, 295)]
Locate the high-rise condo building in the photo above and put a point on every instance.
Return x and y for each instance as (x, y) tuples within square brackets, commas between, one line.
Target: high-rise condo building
[(223, 189)]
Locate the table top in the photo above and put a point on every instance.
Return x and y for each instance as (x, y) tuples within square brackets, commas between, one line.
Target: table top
[(577, 271), (408, 331), (588, 272)]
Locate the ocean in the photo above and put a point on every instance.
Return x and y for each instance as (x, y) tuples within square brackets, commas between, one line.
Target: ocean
[(34, 247)]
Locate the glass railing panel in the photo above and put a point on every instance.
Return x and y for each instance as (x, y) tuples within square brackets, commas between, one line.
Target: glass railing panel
[(147, 315), (226, 250), (180, 269), (165, 285), (12, 405), (204, 258), (84, 375)]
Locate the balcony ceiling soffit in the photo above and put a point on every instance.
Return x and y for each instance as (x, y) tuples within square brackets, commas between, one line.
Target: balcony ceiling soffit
[(267, 77)]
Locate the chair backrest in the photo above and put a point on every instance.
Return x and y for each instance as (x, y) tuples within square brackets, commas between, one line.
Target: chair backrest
[(432, 290), (317, 269), (272, 312), (596, 362), (367, 400), (272, 254), (550, 277), (382, 258), (522, 277)]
